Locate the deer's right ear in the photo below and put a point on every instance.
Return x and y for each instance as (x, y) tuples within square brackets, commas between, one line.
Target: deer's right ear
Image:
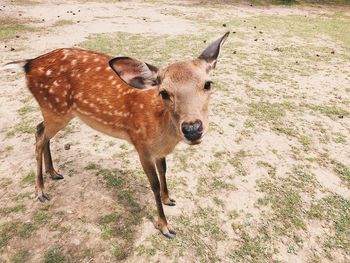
[(136, 73)]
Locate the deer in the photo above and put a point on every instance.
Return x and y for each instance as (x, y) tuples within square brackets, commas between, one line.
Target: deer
[(153, 109)]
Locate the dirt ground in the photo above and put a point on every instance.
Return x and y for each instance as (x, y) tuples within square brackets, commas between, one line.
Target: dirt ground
[(271, 180)]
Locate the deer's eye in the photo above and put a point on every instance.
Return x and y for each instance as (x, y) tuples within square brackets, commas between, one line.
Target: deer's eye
[(207, 85), (164, 94)]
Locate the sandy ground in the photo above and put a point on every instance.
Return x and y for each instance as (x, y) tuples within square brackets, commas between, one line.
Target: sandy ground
[(217, 185)]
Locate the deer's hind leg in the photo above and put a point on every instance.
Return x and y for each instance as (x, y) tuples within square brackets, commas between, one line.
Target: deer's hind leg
[(47, 156), (45, 131)]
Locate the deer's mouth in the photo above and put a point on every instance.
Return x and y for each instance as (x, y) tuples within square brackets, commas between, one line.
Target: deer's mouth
[(193, 142)]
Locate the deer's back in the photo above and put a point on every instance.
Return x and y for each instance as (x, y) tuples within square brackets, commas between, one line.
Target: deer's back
[(81, 83)]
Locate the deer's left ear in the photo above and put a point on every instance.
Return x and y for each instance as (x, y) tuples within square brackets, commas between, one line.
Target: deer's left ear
[(211, 53), (136, 73)]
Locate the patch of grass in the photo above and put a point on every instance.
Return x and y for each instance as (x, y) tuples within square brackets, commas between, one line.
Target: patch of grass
[(41, 216), (142, 46), (26, 230), (236, 162), (284, 197), (196, 229), (252, 249), (63, 22), (305, 141), (25, 109), (55, 255), (335, 211), (11, 27), (20, 257), (29, 178), (330, 111), (7, 231), (119, 227), (268, 112), (12, 209), (25, 126), (343, 172)]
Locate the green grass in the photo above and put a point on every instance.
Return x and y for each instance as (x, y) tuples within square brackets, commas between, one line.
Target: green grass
[(41, 216), (55, 255), (343, 172), (118, 227), (11, 27), (330, 111), (7, 231), (334, 210), (63, 22), (29, 178), (20, 257), (25, 110), (142, 46), (12, 209)]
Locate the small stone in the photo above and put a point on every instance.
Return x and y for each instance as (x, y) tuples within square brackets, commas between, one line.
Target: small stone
[(332, 52), (224, 25), (67, 146), (12, 49), (256, 39), (340, 116)]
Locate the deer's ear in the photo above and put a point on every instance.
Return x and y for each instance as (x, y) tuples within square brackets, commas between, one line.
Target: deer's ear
[(136, 73), (211, 53)]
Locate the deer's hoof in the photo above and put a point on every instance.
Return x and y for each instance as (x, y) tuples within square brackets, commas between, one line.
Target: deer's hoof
[(57, 177), (166, 231), (169, 233), (43, 197), (169, 202)]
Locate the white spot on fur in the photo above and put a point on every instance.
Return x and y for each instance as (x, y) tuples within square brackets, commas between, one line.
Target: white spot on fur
[(85, 59), (48, 72), (98, 69), (55, 83), (96, 60), (73, 62), (78, 95), (110, 78), (141, 106), (51, 90), (87, 70), (57, 99)]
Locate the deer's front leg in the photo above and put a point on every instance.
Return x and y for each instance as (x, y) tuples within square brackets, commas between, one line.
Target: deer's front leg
[(150, 169), (164, 193)]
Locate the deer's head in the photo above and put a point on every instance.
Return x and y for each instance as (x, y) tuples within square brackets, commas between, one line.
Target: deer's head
[(184, 87)]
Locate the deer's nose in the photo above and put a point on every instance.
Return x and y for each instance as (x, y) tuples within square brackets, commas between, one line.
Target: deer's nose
[(192, 130)]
